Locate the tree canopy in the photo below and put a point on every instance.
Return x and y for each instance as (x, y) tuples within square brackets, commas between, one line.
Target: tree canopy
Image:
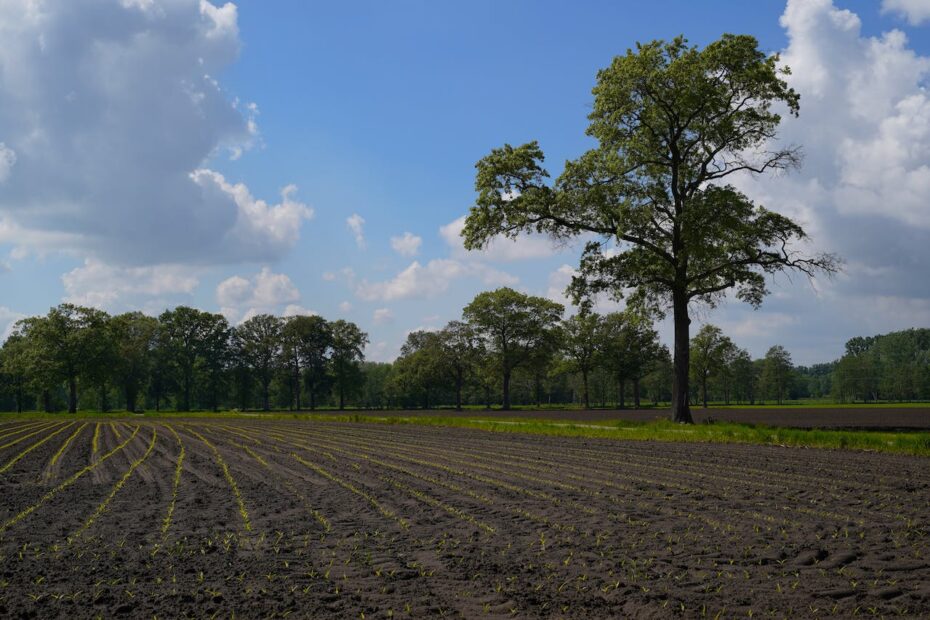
[(673, 124)]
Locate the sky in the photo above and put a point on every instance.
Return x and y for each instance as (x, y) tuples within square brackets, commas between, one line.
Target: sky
[(300, 157)]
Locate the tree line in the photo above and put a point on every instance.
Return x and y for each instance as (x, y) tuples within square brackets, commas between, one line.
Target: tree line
[(507, 347), (184, 359)]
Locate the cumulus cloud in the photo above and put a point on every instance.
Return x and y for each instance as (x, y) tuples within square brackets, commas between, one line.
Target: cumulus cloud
[(297, 310), (430, 280), (406, 245), (915, 11), (111, 113), (558, 283), (8, 320), (356, 224), (499, 249), (345, 306), (379, 352), (864, 127), (111, 288), (382, 316), (266, 292)]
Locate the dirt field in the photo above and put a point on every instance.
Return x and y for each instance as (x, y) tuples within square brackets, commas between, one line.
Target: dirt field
[(872, 418), (263, 518)]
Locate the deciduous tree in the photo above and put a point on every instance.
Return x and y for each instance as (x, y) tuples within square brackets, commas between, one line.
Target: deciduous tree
[(673, 124), (513, 327)]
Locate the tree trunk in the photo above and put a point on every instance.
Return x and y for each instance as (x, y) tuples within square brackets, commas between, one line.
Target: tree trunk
[(584, 379), (622, 394), (506, 400), (458, 392), (297, 385), (265, 400), (130, 400), (681, 410), (46, 401), (19, 400), (342, 397), (186, 405), (72, 395), (704, 389), (104, 402), (636, 393)]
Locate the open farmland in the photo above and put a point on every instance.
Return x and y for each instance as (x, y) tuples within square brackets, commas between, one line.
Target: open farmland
[(199, 517)]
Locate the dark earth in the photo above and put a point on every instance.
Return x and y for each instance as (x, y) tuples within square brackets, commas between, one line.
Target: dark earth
[(351, 520)]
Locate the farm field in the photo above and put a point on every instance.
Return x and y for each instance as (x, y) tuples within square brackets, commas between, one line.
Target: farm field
[(250, 517), (872, 417)]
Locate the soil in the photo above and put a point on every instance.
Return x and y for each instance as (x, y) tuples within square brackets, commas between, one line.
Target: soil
[(863, 418), (351, 520)]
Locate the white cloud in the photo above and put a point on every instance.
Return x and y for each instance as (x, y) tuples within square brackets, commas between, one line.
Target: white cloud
[(562, 277), (916, 11), (113, 288), (406, 245), (864, 128), (356, 224), (430, 280), (240, 298), (298, 310), (8, 319), (113, 113), (499, 249), (383, 316), (260, 230), (345, 306), (379, 352), (329, 276)]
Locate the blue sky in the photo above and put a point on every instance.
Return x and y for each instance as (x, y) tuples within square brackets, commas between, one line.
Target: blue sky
[(379, 111)]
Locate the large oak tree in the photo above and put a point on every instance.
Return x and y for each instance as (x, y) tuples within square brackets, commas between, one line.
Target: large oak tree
[(673, 125)]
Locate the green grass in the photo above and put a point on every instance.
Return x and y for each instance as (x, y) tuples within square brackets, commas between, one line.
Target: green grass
[(914, 443)]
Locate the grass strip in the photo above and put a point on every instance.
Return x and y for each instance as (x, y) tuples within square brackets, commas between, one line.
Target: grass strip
[(913, 443)]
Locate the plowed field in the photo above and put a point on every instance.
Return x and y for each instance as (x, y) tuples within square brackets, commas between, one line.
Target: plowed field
[(311, 519)]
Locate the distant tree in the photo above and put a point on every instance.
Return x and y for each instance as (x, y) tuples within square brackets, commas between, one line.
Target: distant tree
[(513, 327), (375, 390), (305, 342), (776, 373), (709, 349), (581, 335), (14, 364), (259, 341), (63, 345), (216, 355), (180, 344), (348, 346), (461, 354), (628, 348), (316, 346), (134, 336), (743, 376), (672, 123), (420, 366)]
